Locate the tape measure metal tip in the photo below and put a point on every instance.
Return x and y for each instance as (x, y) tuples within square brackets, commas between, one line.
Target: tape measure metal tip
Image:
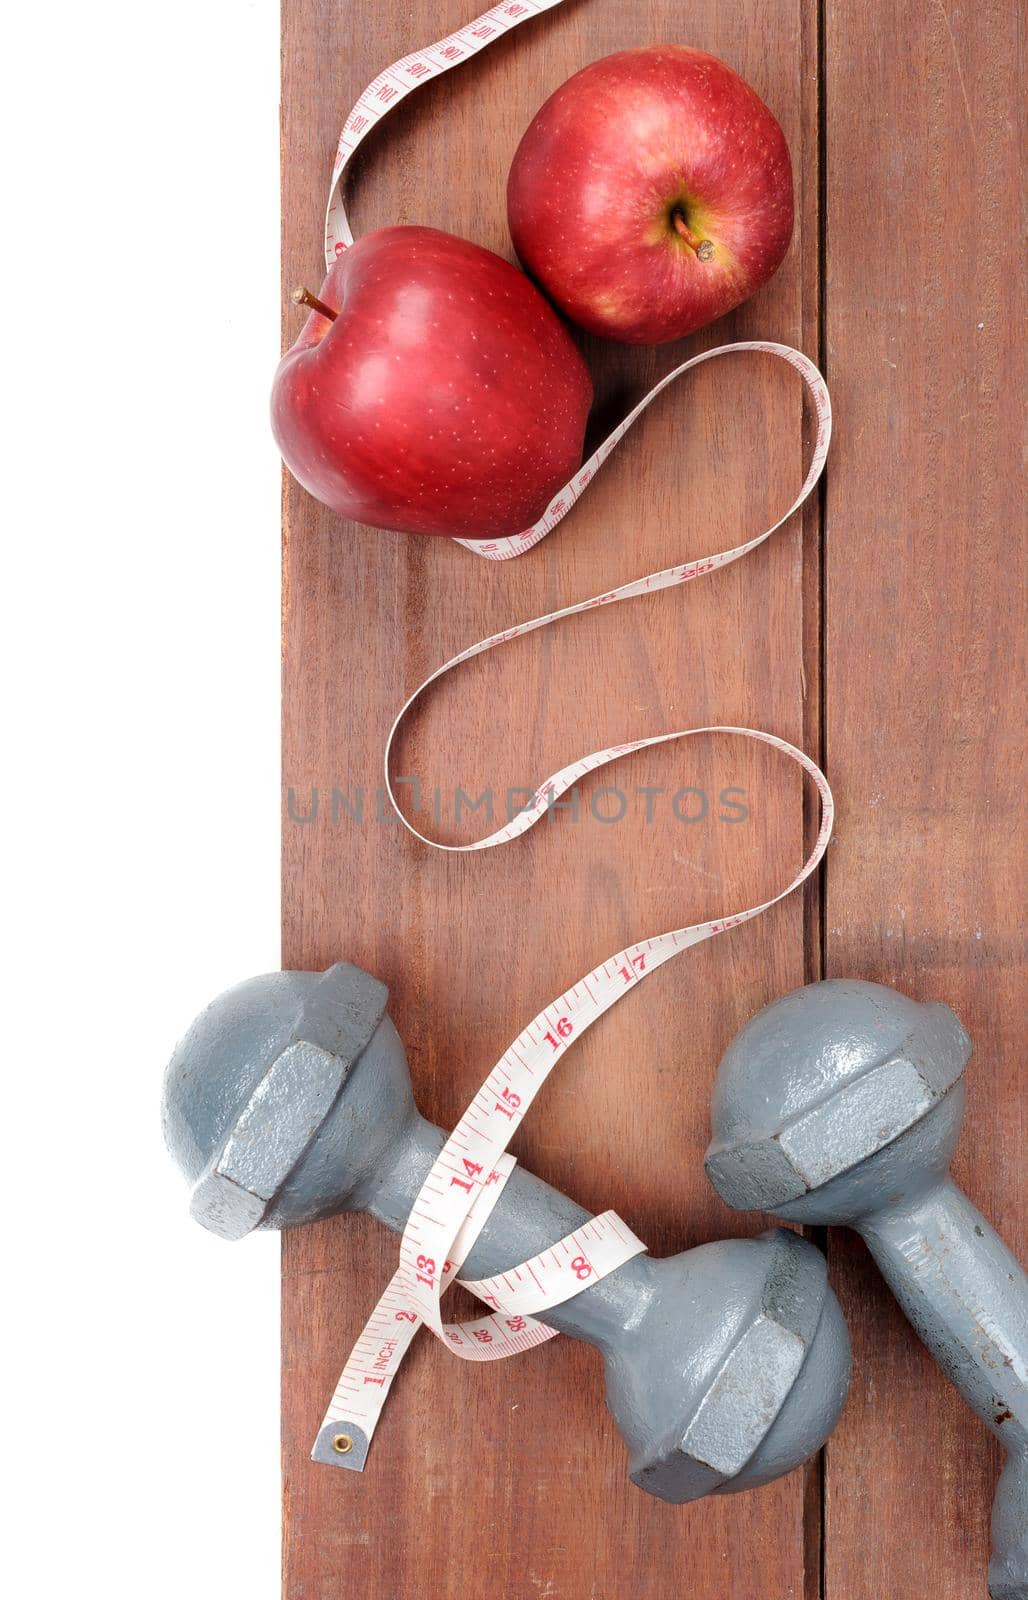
[(341, 1444)]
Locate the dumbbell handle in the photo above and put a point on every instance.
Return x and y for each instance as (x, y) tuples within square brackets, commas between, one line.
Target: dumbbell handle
[(967, 1297), (528, 1217), (965, 1294)]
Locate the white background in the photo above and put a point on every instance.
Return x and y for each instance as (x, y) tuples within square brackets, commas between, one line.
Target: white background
[(140, 638)]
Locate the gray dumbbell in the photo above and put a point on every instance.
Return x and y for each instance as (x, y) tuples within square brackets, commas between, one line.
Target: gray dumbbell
[(289, 1099), (842, 1103)]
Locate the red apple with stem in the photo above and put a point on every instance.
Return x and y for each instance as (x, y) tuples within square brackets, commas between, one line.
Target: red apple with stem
[(432, 390), (651, 194)]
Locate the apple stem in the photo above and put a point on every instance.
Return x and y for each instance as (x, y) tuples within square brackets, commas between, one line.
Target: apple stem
[(703, 247), (303, 297)]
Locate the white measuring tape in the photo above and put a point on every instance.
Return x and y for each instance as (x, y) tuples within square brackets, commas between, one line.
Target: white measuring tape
[(466, 1180)]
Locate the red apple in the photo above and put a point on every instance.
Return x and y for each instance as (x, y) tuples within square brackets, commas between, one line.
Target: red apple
[(651, 194), (445, 397)]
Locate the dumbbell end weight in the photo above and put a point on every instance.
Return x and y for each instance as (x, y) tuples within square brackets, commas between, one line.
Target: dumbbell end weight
[(761, 1383), (252, 1099), (289, 1100)]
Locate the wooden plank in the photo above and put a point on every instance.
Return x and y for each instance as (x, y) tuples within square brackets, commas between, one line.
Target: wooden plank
[(923, 642), (472, 948)]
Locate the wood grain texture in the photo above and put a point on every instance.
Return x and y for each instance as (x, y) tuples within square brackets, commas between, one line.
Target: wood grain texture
[(924, 655), (472, 948)]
